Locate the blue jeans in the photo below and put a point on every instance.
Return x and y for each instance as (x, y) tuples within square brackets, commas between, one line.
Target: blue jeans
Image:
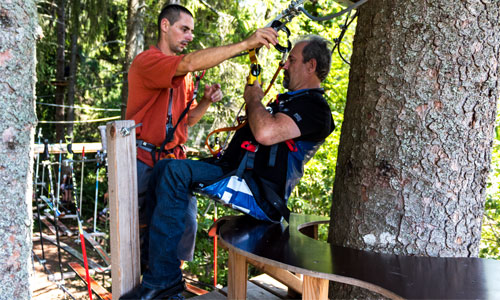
[(171, 182), (185, 250)]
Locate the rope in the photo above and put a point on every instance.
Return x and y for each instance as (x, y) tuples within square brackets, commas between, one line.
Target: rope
[(81, 121)]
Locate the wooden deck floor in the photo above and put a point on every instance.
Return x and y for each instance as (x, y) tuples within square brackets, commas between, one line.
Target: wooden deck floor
[(258, 288)]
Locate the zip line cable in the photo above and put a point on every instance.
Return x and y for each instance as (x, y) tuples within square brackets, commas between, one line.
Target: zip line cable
[(79, 107), (81, 121)]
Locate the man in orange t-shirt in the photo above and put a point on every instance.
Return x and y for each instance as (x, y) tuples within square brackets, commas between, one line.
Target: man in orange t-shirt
[(159, 75)]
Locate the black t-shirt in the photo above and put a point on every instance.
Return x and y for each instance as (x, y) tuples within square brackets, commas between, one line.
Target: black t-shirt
[(310, 111)]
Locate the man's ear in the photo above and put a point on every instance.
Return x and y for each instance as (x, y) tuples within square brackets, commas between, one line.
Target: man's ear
[(165, 24), (311, 65)]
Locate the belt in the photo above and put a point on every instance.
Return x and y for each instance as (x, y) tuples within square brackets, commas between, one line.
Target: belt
[(154, 149), (146, 146)]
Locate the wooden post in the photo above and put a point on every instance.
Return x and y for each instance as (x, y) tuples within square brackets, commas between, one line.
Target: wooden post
[(124, 226), (237, 276), (315, 288)]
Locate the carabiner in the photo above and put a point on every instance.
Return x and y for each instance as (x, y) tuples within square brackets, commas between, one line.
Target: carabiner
[(277, 25)]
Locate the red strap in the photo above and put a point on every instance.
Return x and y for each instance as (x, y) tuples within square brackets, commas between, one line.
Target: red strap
[(247, 145), (291, 145)]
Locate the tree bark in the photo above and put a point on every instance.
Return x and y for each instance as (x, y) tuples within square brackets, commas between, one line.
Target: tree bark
[(73, 65), (134, 42), (60, 69), (18, 31), (415, 145)]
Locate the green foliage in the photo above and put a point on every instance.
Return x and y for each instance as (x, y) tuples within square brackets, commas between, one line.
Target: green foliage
[(490, 236)]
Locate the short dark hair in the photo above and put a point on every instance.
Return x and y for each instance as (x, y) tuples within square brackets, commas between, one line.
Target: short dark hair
[(320, 49), (171, 12)]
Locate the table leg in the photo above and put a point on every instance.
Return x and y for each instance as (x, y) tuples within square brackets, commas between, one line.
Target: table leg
[(237, 276), (314, 288)]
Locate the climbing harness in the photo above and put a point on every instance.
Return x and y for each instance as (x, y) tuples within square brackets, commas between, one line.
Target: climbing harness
[(169, 127)]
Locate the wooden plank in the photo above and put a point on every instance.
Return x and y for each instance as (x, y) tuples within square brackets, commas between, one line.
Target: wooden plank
[(271, 285), (101, 292), (195, 290), (76, 147), (254, 292), (48, 224), (214, 295), (97, 248), (315, 288), (287, 278), (237, 276), (75, 253), (124, 213), (61, 226)]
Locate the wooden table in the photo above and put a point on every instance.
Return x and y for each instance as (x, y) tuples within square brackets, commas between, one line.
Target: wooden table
[(281, 248)]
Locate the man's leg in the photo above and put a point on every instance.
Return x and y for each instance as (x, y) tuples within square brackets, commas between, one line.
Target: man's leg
[(143, 175), (172, 180), (186, 246)]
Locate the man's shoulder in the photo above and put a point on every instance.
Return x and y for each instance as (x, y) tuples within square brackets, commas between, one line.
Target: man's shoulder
[(153, 54)]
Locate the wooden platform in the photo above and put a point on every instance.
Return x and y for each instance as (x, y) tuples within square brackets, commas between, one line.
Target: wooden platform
[(262, 287), (284, 247)]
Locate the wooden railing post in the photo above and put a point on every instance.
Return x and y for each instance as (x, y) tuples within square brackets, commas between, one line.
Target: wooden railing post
[(124, 226)]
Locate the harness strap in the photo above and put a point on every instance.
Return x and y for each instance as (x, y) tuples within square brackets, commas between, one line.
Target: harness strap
[(272, 155), (274, 199), (169, 129)]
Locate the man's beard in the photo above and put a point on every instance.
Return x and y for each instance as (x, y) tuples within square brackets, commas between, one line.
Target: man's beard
[(286, 80)]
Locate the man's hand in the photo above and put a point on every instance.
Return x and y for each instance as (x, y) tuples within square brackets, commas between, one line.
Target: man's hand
[(262, 37), (253, 93), (213, 93)]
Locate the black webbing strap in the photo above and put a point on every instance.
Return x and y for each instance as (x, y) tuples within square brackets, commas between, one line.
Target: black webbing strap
[(272, 155), (274, 199), (169, 129)]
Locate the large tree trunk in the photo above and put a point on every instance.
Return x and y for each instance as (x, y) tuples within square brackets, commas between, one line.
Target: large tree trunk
[(17, 121), (134, 42), (415, 146), (60, 69)]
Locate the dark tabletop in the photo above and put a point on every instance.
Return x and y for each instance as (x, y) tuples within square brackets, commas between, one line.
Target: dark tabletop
[(407, 276)]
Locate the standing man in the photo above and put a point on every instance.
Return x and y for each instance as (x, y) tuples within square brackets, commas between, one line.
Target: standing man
[(301, 116), (160, 90)]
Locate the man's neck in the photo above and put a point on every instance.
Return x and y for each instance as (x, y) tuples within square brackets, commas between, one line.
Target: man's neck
[(306, 86), (162, 45)]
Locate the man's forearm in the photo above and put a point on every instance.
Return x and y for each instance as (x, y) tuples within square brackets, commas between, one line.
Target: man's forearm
[(197, 113), (207, 58)]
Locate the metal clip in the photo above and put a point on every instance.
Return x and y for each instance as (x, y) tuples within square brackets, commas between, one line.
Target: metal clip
[(125, 131)]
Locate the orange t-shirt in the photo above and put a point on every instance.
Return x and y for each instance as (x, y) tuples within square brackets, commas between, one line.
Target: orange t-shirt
[(150, 78)]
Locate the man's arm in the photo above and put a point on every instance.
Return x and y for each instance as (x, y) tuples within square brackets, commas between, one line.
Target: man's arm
[(208, 58), (267, 129), (212, 94)]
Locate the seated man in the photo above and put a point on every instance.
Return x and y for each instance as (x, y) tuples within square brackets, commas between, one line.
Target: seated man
[(301, 115)]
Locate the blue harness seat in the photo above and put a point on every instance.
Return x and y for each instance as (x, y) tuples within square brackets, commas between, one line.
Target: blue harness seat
[(242, 190)]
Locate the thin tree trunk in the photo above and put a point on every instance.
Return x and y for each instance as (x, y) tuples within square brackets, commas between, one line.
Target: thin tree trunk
[(134, 42), (60, 76), (415, 146), (18, 31), (73, 66)]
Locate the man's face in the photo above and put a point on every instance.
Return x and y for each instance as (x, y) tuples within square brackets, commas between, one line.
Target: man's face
[(295, 69), (180, 33)]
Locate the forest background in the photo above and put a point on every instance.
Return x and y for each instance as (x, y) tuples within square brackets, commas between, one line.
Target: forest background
[(92, 36)]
